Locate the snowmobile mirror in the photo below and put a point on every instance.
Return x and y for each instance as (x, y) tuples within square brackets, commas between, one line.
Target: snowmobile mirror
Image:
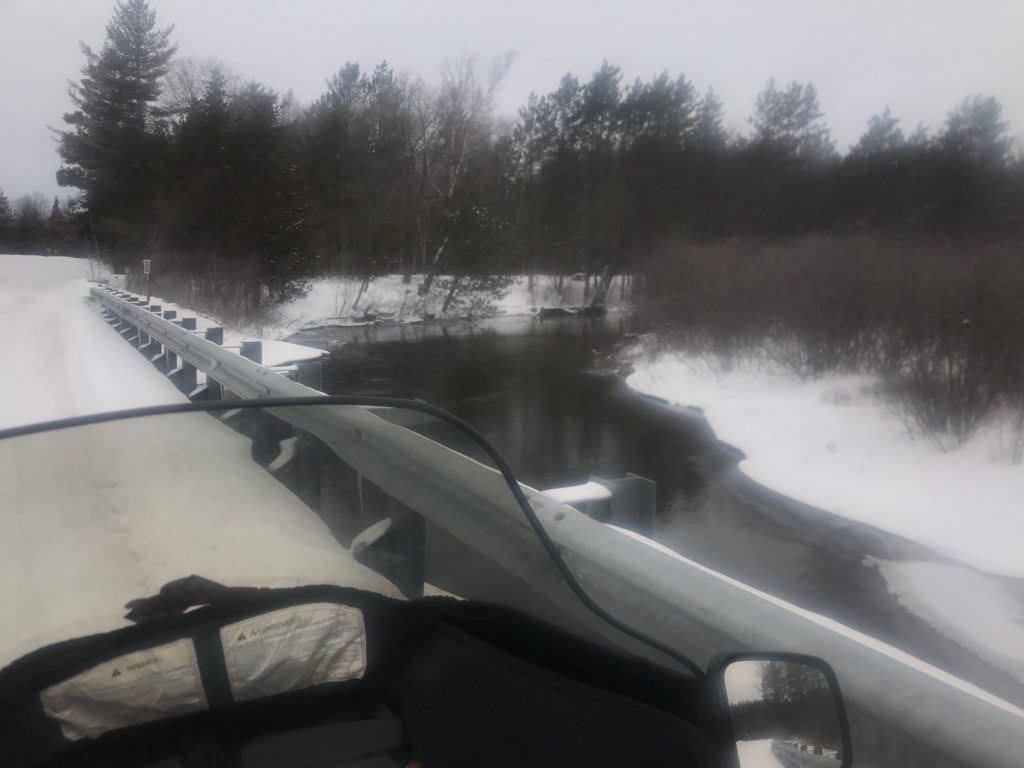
[(780, 709)]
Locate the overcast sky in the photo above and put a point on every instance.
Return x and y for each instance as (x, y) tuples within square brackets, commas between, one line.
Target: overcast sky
[(919, 56)]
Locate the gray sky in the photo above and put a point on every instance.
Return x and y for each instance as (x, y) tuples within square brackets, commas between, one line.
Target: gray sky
[(743, 681), (919, 56)]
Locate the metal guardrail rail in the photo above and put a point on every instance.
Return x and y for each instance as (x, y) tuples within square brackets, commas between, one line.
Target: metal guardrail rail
[(903, 712)]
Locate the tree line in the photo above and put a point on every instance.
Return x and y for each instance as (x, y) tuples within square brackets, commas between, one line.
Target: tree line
[(217, 178), (31, 224)]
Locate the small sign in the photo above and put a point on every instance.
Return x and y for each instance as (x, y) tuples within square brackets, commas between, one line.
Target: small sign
[(145, 266)]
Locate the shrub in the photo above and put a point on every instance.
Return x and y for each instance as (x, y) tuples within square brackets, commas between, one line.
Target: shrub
[(941, 323)]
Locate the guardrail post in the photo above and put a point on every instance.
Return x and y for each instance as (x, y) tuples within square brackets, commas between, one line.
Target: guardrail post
[(183, 377), (169, 361), (155, 353), (633, 502), (151, 349), (132, 333), (155, 309), (189, 378), (170, 314), (215, 334), (309, 470), (189, 323), (311, 374), (252, 350), (408, 546)]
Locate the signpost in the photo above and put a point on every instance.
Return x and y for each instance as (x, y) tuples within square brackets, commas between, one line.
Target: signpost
[(149, 278)]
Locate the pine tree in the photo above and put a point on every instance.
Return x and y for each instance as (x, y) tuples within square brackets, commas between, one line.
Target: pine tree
[(976, 131), (112, 149), (232, 202), (139, 54), (5, 209), (710, 133), (882, 136), (6, 223), (789, 122), (661, 112)]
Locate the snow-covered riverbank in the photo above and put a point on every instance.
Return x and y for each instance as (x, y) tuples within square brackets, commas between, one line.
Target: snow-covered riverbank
[(338, 301), (346, 301), (833, 444)]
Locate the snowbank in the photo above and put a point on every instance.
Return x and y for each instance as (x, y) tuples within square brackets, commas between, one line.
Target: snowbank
[(345, 302), (834, 626), (333, 302), (339, 302), (831, 444), (971, 608), (576, 494)]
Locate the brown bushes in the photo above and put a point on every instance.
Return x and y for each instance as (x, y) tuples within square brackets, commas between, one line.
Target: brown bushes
[(229, 292), (942, 323)]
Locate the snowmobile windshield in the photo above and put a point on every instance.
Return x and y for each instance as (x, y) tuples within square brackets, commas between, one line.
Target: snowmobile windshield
[(388, 496)]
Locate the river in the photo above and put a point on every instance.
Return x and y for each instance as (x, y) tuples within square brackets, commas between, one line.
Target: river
[(549, 396)]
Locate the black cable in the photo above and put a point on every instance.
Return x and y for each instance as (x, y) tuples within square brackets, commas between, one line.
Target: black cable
[(552, 549), (386, 402)]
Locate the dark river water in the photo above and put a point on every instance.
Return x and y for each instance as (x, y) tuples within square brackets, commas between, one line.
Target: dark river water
[(549, 397)]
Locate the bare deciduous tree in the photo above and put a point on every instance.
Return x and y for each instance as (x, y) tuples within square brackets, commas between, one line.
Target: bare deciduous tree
[(462, 109)]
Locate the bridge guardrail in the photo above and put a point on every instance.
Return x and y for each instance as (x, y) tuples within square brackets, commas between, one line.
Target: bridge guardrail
[(903, 711)]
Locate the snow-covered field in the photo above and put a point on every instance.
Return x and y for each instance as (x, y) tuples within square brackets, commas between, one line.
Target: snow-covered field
[(93, 517), (969, 607), (830, 443)]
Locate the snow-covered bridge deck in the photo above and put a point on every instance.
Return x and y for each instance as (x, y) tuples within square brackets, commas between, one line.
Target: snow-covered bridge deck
[(93, 517)]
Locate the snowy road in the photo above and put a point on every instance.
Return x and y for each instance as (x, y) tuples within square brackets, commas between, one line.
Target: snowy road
[(60, 357), (96, 516)]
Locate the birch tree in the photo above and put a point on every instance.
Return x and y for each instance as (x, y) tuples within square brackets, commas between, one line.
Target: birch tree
[(460, 128)]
